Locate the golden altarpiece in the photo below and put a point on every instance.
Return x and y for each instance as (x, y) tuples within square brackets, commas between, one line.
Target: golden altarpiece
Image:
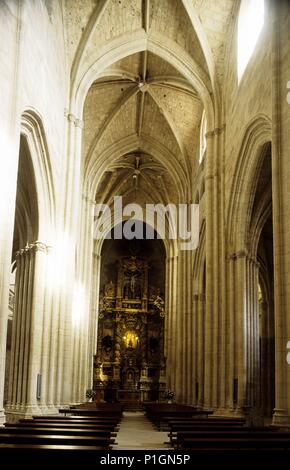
[(130, 364)]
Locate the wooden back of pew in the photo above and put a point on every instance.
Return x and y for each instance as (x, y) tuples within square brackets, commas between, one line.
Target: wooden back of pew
[(192, 425), (99, 406), (207, 421), (76, 456), (76, 417), (70, 421), (53, 430), (36, 438), (32, 423), (91, 412), (202, 431), (236, 443)]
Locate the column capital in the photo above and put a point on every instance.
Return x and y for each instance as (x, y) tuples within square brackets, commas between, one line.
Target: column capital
[(211, 176), (39, 246), (34, 246), (88, 199), (22, 251), (215, 131), (243, 254), (79, 123), (72, 118)]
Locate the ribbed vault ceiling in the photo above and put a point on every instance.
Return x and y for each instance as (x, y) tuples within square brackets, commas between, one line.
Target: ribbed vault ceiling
[(141, 116), (142, 98)]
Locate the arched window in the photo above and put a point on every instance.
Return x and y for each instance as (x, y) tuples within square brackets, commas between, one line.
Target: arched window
[(250, 24), (202, 137)]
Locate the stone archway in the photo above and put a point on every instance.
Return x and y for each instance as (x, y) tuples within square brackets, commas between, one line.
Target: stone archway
[(130, 363), (33, 227)]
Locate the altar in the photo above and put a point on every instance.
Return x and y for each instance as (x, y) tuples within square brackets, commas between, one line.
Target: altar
[(129, 396), (129, 365)]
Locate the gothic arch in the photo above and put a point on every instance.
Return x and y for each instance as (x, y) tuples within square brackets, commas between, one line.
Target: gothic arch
[(129, 44), (97, 167), (33, 131), (95, 19), (254, 144)]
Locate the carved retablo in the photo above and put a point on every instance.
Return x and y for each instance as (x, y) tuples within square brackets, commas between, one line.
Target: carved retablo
[(130, 361)]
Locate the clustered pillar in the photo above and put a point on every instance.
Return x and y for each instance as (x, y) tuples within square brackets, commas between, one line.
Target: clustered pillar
[(29, 346)]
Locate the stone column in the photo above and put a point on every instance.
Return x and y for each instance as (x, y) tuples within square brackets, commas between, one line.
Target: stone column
[(186, 328), (94, 312), (200, 337), (46, 402), (195, 344), (247, 331), (171, 313), (190, 346), (179, 331), (210, 269), (9, 144), (167, 340), (279, 15), (215, 272), (231, 335), (27, 342), (174, 325), (86, 273), (241, 331)]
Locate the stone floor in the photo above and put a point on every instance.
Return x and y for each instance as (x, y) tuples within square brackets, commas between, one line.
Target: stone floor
[(137, 433)]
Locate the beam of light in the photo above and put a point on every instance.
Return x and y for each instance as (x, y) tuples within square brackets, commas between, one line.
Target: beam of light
[(78, 304), (250, 24)]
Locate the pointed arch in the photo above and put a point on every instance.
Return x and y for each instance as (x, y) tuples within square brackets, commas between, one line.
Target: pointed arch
[(32, 130), (98, 166), (256, 138), (131, 43)]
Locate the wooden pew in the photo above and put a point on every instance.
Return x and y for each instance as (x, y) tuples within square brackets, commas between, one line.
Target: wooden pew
[(56, 430), (45, 434), (210, 427), (45, 424), (222, 434), (72, 417), (99, 406), (84, 419), (76, 456), (160, 414), (91, 412), (69, 421), (55, 439), (177, 439), (211, 444), (212, 419)]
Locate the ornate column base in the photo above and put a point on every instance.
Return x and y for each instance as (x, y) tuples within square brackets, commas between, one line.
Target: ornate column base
[(225, 412), (280, 417), (14, 413), (51, 409), (45, 410), (2, 417)]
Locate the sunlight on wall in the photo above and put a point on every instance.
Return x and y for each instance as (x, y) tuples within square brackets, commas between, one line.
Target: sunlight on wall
[(78, 304), (202, 137), (7, 172), (59, 261), (250, 24)]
